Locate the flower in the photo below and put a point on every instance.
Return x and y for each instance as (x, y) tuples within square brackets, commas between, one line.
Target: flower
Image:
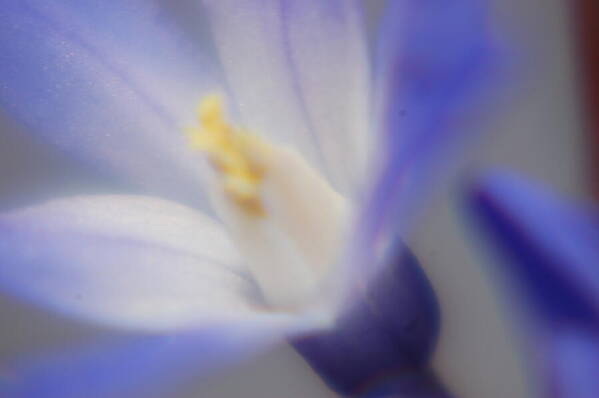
[(550, 249), (115, 85)]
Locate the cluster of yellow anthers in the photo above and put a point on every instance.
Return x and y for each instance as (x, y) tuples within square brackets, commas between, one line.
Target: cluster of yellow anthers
[(236, 155)]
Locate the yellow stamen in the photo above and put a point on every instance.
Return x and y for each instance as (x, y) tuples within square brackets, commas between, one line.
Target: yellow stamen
[(236, 154)]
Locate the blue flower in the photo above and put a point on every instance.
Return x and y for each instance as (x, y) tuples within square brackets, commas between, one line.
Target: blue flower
[(549, 249), (280, 220)]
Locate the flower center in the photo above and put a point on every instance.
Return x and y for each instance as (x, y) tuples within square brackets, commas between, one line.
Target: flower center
[(235, 154), (285, 219)]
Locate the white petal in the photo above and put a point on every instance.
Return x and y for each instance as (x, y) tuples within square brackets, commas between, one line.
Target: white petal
[(299, 73), (131, 261), (111, 83)]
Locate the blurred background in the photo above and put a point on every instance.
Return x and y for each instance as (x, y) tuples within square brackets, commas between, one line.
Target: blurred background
[(539, 132)]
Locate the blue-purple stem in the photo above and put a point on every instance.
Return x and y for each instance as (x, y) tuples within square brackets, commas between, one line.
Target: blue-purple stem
[(386, 334)]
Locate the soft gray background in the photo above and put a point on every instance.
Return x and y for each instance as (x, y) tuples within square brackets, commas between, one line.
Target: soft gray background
[(538, 133)]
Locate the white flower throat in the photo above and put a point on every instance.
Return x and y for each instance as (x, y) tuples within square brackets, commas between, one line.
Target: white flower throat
[(285, 219)]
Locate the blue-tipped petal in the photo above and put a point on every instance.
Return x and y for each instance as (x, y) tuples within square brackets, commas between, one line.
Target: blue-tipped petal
[(128, 261), (437, 67), (437, 62), (389, 326), (553, 246), (299, 73), (143, 366), (111, 83)]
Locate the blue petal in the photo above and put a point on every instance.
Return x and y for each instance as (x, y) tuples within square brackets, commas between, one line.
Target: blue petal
[(438, 64), (133, 262), (110, 83), (551, 249), (148, 366), (554, 246), (573, 364), (299, 74)]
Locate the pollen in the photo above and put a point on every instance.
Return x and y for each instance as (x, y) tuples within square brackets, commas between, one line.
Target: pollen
[(236, 155)]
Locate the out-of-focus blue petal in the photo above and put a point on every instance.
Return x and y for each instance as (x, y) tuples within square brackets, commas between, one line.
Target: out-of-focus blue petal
[(550, 248), (110, 82), (143, 366), (129, 261), (299, 73), (573, 364), (554, 246), (437, 64)]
